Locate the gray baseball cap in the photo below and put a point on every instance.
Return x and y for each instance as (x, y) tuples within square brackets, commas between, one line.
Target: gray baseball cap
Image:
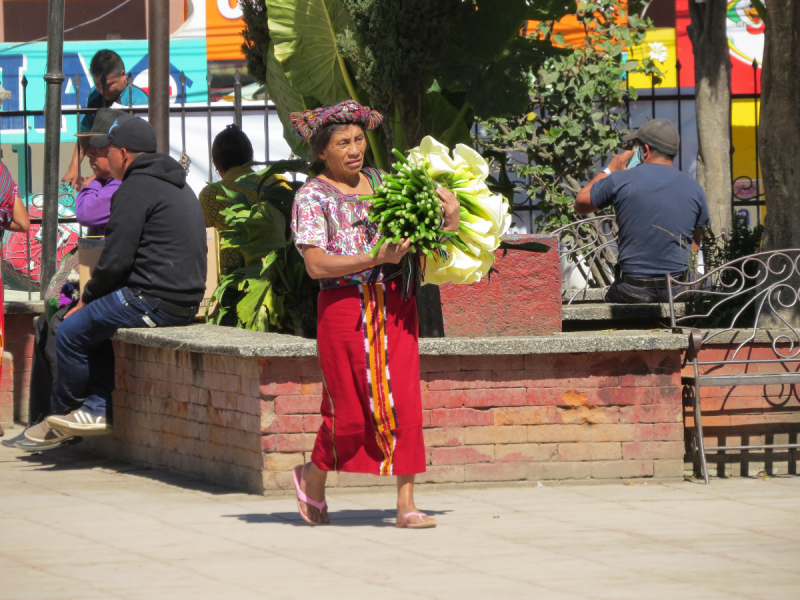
[(659, 134)]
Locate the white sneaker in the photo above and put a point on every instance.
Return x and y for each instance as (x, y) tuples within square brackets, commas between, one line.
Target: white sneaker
[(79, 422)]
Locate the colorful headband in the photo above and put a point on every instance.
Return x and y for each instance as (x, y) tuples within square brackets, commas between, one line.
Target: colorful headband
[(308, 122)]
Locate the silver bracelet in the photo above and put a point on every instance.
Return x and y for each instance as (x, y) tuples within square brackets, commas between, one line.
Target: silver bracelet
[(607, 171)]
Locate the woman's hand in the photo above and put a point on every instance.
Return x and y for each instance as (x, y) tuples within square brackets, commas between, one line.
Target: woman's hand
[(393, 253), (451, 208)]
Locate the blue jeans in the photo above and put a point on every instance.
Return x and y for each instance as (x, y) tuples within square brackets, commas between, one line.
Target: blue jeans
[(85, 354)]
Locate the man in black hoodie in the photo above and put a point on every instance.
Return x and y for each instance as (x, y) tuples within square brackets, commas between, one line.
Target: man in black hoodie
[(151, 273)]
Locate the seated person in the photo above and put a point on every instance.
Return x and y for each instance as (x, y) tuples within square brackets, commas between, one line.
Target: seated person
[(110, 90), (92, 209), (151, 273), (231, 152), (660, 213)]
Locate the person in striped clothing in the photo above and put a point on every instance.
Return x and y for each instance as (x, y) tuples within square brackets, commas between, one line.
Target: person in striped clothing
[(367, 333)]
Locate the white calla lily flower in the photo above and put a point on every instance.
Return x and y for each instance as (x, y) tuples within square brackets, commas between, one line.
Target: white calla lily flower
[(474, 162), (486, 241)]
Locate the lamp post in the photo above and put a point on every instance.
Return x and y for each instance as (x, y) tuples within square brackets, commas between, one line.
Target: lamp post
[(158, 71), (54, 78)]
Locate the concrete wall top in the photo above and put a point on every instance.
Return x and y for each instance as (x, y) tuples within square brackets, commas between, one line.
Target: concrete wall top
[(212, 339)]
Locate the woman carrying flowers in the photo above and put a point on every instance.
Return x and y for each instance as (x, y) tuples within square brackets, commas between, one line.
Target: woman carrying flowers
[(367, 335)]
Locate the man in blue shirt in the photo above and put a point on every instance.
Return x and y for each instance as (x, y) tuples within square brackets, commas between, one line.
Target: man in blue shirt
[(660, 213), (110, 90)]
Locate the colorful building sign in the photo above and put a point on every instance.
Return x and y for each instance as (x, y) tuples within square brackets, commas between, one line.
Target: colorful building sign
[(745, 31), (224, 27)]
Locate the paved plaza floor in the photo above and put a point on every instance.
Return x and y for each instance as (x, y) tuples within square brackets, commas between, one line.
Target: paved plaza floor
[(73, 526)]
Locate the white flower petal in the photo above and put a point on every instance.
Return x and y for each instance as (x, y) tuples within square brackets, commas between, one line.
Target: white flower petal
[(474, 161)]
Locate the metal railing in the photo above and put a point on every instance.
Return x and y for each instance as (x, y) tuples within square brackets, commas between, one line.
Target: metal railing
[(237, 110), (743, 303)]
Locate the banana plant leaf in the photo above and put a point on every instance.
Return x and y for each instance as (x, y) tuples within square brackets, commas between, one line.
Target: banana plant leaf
[(303, 34), (266, 231), (287, 100), (304, 44), (445, 122), (258, 289)]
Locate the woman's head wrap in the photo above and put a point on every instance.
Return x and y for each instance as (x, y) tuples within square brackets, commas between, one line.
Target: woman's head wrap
[(309, 122)]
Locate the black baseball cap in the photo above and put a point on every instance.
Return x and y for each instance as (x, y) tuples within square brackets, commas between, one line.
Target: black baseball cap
[(103, 120), (659, 134), (129, 132)]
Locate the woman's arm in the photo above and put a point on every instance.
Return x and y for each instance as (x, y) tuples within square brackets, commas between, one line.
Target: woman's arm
[(19, 220), (321, 265)]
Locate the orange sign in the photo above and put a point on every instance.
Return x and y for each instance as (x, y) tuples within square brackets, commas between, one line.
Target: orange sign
[(224, 27)]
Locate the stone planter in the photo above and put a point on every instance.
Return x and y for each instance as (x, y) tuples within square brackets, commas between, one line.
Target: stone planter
[(521, 296)]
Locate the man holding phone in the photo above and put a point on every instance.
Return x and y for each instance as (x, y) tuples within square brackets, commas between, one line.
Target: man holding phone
[(660, 212)]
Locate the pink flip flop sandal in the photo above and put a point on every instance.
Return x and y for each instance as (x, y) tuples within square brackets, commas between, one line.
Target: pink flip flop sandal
[(404, 524), (301, 497)]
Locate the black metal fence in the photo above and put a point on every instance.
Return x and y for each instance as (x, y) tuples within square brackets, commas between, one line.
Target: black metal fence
[(655, 101), (27, 277), (673, 103)]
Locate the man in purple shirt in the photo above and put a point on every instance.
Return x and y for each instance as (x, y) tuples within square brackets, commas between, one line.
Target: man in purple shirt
[(93, 202)]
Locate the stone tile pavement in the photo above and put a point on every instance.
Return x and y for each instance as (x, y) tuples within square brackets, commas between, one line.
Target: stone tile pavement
[(74, 526)]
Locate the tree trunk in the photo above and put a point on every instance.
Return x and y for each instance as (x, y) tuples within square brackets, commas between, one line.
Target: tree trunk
[(712, 75), (779, 129)]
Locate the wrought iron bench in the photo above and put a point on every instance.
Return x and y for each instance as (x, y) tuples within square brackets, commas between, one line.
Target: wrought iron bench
[(588, 250), (753, 299)]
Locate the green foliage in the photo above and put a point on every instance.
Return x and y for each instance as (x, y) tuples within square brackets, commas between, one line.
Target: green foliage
[(575, 114), (430, 67), (256, 38), (304, 67), (395, 44), (271, 291), (717, 251), (741, 241)]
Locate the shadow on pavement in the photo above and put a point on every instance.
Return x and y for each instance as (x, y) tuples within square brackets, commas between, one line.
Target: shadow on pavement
[(65, 459), (339, 518)]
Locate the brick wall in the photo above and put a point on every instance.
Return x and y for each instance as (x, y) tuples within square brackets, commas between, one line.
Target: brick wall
[(247, 422), (746, 415), (17, 359), (196, 413), (506, 418)]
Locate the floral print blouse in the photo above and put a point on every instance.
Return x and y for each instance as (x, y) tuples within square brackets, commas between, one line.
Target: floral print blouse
[(324, 217)]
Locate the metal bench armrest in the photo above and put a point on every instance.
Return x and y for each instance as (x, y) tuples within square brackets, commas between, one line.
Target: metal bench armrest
[(695, 345)]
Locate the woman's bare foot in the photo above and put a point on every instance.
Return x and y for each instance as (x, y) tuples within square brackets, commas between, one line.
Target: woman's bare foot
[(312, 484), (406, 505), (416, 520)]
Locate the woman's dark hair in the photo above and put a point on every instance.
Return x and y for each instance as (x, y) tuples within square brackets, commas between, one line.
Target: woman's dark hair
[(231, 148), (321, 139)]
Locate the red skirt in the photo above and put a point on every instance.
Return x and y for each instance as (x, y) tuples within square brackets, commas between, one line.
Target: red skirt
[(368, 345)]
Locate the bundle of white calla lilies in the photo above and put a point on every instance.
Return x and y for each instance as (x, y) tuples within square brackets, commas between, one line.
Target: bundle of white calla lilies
[(485, 217)]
